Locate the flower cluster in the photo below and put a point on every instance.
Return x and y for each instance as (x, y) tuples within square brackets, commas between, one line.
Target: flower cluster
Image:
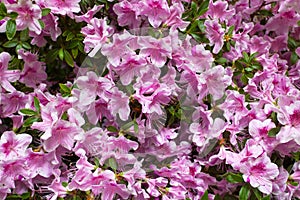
[(150, 99)]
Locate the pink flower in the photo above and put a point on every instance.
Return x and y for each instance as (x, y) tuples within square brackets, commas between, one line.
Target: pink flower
[(62, 133), (12, 102), (96, 34), (127, 13), (174, 20), (214, 81), (158, 49), (62, 7), (13, 146), (7, 76), (34, 71), (260, 173), (215, 34), (290, 118), (156, 10), (119, 48), (259, 131), (87, 17), (28, 16), (218, 10), (119, 103)]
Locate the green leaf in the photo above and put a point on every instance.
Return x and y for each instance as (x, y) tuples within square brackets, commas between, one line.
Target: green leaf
[(64, 88), (68, 58), (257, 67), (51, 55), (201, 26), (244, 79), (230, 30), (10, 44), (70, 36), (97, 162), (127, 126), (244, 192), (136, 127), (45, 11), (28, 112), (252, 56), (72, 44), (29, 121), (113, 163), (221, 60), (61, 54), (257, 193), (25, 195), (205, 196), (36, 103), (294, 58), (248, 69), (228, 46), (3, 10), (266, 198), (64, 184), (26, 45), (74, 52), (41, 22), (273, 132), (246, 57), (13, 15), (203, 7), (112, 129), (11, 29), (234, 178)]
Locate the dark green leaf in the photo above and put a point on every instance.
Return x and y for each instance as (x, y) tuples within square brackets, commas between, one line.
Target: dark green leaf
[(10, 44), (41, 22), (74, 52), (72, 45), (18, 47), (294, 58), (257, 193), (13, 15), (36, 103), (256, 67), (244, 79), (136, 127), (244, 192), (113, 163), (11, 29), (25, 195), (234, 178), (28, 122), (3, 10), (28, 112), (273, 132), (205, 196), (266, 198), (112, 129), (228, 46), (64, 184), (201, 26), (230, 30), (70, 36), (252, 56), (45, 11), (246, 57), (97, 162), (68, 58), (203, 7), (51, 55)]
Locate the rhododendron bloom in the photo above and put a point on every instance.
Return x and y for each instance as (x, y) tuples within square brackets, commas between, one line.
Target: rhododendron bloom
[(215, 34), (13, 146), (260, 173), (156, 10), (62, 7), (7, 76), (96, 34)]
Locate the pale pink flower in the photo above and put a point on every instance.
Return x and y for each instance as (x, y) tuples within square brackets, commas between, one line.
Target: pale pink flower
[(12, 102), (157, 11), (158, 49), (62, 7), (28, 16), (7, 76), (13, 146), (87, 17), (127, 13), (219, 10), (119, 104), (215, 33), (96, 34)]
